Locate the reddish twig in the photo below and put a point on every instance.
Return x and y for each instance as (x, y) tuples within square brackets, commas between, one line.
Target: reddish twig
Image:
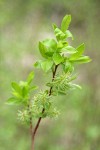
[(39, 120)]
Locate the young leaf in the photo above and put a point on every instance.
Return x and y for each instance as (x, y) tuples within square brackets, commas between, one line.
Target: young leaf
[(82, 59), (23, 84), (68, 49), (13, 100), (69, 34), (59, 34), (33, 88), (16, 87), (25, 91), (57, 58), (80, 49), (46, 65), (51, 46), (68, 67), (54, 26), (42, 49), (65, 23), (60, 45), (30, 77), (50, 43)]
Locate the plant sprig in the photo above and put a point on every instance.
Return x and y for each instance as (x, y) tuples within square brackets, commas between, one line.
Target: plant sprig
[(55, 52)]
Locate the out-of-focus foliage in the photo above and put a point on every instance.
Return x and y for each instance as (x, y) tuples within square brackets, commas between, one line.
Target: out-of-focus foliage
[(22, 24)]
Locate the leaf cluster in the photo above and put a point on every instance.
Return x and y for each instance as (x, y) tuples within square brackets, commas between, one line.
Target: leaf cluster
[(55, 52), (21, 91), (59, 51)]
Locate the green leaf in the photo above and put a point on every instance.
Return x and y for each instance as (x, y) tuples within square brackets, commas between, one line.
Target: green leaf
[(32, 88), (16, 87), (82, 59), (57, 58), (46, 65), (68, 67), (47, 47), (80, 49), (51, 46), (30, 77), (69, 34), (60, 45), (59, 34), (13, 101), (23, 84), (50, 43), (68, 49), (25, 92), (42, 49), (65, 23), (54, 26), (24, 89)]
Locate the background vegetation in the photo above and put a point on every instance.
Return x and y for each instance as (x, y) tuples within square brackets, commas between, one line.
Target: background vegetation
[(22, 24)]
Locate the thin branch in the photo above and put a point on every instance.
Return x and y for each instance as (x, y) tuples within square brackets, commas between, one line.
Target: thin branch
[(39, 120), (54, 73), (37, 125), (31, 125)]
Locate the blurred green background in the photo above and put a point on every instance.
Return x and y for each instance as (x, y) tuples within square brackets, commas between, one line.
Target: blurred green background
[(22, 24)]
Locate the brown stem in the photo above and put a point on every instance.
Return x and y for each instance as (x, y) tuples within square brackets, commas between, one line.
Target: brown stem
[(35, 129), (31, 126), (39, 120)]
